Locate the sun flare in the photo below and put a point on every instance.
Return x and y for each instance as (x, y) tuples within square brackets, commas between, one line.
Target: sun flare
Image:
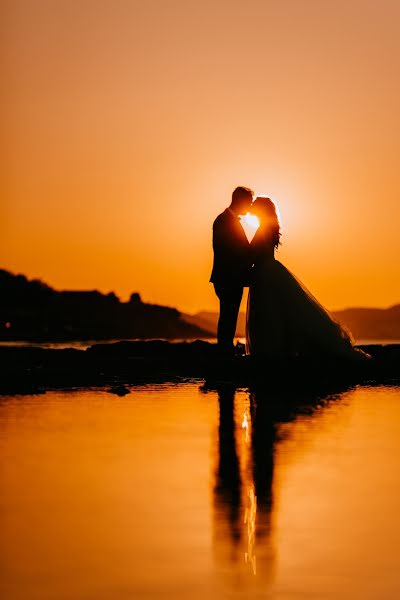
[(250, 224), (252, 221)]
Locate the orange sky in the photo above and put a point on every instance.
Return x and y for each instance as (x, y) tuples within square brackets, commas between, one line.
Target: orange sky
[(127, 124)]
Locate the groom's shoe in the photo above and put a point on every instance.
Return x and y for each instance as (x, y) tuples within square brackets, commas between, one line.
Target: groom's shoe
[(240, 349)]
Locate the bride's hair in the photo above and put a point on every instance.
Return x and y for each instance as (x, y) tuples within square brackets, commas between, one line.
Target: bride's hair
[(265, 209)]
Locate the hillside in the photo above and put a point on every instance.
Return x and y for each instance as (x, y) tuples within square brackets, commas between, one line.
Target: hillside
[(31, 310), (372, 323), (364, 323)]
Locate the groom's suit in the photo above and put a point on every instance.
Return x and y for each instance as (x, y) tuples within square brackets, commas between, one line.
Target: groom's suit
[(230, 273)]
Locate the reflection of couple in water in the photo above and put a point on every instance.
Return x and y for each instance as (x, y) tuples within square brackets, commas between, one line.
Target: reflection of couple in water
[(283, 319), (243, 484), (245, 495)]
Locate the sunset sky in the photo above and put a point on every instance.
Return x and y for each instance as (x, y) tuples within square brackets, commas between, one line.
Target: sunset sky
[(127, 124)]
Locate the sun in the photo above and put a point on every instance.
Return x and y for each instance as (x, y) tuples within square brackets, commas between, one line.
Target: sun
[(252, 221), (250, 224)]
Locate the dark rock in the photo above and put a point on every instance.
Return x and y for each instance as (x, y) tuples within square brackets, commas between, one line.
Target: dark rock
[(119, 390), (119, 364)]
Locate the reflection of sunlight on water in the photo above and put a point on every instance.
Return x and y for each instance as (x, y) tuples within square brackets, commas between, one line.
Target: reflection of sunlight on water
[(250, 521), (250, 501), (246, 424), (246, 421)]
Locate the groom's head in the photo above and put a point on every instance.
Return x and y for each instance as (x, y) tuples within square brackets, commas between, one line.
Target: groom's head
[(242, 198)]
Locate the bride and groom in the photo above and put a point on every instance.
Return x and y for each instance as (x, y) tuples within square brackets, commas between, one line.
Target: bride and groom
[(283, 318)]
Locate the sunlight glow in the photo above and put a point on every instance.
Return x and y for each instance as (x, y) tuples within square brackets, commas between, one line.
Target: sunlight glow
[(250, 224), (252, 221)]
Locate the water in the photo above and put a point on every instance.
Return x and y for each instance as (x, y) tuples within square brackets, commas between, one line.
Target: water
[(176, 492)]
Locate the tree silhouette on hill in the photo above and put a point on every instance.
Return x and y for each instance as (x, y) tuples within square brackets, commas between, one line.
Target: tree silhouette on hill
[(31, 310)]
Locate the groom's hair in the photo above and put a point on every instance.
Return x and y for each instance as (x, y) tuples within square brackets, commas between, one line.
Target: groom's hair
[(241, 192)]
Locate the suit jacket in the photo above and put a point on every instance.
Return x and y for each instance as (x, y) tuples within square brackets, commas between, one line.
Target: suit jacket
[(232, 259)]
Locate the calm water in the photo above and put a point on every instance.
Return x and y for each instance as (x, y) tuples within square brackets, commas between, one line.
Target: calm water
[(173, 492)]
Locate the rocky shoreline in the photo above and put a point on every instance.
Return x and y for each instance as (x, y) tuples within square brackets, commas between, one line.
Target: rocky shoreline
[(29, 370)]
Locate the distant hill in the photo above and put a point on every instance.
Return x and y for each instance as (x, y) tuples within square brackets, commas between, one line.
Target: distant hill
[(364, 323), (371, 323), (33, 311)]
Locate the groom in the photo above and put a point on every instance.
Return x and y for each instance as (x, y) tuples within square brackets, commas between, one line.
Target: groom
[(231, 268)]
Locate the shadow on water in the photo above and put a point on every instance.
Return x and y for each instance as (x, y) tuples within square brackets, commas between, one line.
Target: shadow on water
[(243, 492)]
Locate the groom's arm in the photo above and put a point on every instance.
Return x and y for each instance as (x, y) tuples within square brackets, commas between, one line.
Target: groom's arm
[(225, 242), (231, 247), (231, 238)]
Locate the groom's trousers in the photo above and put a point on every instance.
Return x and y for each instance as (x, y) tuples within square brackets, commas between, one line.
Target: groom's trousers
[(230, 296)]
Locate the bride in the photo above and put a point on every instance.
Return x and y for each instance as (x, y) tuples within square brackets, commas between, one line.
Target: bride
[(283, 317)]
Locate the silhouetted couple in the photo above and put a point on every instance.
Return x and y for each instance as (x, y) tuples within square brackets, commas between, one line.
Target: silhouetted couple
[(283, 318)]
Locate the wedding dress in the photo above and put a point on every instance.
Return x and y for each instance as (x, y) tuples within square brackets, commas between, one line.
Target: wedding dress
[(284, 319)]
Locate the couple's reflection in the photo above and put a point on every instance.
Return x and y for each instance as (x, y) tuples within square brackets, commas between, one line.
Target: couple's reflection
[(228, 481), (245, 494), (243, 491)]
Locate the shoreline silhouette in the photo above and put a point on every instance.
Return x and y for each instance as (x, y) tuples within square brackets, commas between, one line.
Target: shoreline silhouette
[(32, 311), (118, 365)]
